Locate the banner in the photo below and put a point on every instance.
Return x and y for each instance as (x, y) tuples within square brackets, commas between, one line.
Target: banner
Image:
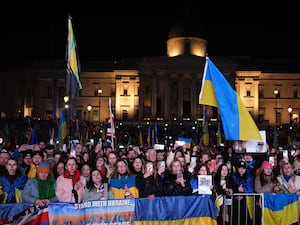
[(104, 212)]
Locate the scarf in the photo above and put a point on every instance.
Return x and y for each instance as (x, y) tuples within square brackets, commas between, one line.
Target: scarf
[(46, 188), (75, 178)]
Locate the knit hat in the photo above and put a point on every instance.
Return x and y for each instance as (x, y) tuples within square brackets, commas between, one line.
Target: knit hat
[(43, 167), (266, 164)]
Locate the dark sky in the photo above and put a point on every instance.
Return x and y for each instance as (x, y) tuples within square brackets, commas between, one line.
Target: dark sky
[(114, 32)]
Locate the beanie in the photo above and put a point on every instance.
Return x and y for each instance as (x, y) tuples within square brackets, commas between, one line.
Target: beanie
[(266, 164), (43, 167)]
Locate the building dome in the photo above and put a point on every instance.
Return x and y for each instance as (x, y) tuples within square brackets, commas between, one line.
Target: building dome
[(187, 37), (187, 27)]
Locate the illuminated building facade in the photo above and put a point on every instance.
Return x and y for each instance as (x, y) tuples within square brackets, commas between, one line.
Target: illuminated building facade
[(154, 88)]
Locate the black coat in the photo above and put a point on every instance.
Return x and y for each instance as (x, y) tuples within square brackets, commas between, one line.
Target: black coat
[(148, 186), (171, 188)]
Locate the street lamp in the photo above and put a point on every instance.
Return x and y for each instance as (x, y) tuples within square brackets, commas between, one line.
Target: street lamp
[(99, 95), (89, 108), (66, 101), (290, 110), (276, 92)]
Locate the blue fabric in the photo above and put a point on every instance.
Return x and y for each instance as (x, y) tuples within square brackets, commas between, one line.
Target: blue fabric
[(10, 188), (120, 183), (174, 208)]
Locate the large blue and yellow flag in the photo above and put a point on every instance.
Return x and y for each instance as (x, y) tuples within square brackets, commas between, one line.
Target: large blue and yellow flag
[(280, 209), (175, 210), (73, 84), (236, 120)]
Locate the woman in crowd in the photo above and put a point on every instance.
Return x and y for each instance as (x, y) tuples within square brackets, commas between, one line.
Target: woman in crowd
[(137, 166), (176, 183), (265, 181), (100, 164), (58, 169), (41, 189), (95, 188), (112, 159), (70, 185), (122, 182), (242, 183), (286, 173), (86, 171), (13, 182), (294, 181), (201, 169), (224, 187), (149, 183)]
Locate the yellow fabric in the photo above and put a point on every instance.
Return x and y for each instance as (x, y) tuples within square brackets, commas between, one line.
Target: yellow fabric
[(120, 193), (18, 194), (32, 171), (250, 205), (187, 221)]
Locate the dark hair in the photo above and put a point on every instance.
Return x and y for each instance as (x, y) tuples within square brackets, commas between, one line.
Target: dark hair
[(90, 183)]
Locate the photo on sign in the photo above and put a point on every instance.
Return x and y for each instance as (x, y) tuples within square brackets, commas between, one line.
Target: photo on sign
[(251, 146), (204, 184)]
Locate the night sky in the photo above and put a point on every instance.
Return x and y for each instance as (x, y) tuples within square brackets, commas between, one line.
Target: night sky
[(113, 32)]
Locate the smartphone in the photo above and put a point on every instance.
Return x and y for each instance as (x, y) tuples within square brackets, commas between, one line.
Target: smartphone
[(1, 140), (179, 174), (30, 147), (92, 141), (73, 153), (213, 164), (285, 154), (271, 160), (150, 167), (162, 164), (64, 147), (193, 159), (159, 146)]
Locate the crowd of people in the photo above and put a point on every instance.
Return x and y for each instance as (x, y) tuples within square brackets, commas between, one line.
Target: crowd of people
[(45, 172)]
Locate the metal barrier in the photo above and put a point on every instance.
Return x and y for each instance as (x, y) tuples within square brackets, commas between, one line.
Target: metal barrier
[(242, 208)]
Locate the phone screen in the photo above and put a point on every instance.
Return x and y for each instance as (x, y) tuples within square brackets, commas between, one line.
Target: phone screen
[(162, 163), (179, 174)]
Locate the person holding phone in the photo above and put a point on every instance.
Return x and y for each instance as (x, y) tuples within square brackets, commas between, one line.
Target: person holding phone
[(176, 182), (149, 183)]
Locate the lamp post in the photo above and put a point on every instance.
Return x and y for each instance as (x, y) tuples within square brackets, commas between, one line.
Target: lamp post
[(276, 92), (66, 101), (99, 95), (89, 108), (290, 110)]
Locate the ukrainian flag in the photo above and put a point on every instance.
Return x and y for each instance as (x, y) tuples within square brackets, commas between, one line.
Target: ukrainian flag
[(175, 210), (236, 120), (62, 128), (280, 209), (73, 66)]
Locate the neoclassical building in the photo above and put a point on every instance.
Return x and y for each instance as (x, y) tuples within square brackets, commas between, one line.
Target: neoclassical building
[(154, 88)]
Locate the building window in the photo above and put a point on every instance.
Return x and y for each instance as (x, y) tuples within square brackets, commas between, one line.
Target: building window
[(186, 109), (125, 115), (248, 93), (95, 115), (295, 93), (261, 93), (125, 92)]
